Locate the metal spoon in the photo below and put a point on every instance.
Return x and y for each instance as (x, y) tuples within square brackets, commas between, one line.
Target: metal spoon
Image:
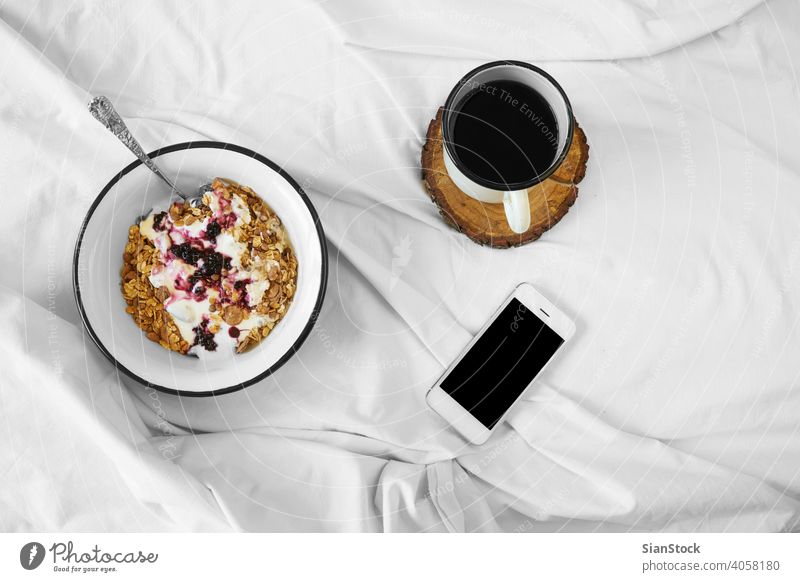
[(103, 111)]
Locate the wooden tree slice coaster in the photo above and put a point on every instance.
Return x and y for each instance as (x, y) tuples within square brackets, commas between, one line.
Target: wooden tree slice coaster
[(486, 223)]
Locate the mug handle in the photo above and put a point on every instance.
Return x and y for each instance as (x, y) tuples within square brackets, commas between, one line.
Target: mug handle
[(518, 210)]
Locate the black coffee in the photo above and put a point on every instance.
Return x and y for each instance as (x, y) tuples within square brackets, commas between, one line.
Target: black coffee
[(505, 132)]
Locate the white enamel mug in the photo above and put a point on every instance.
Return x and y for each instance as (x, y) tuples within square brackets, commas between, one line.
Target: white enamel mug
[(513, 196)]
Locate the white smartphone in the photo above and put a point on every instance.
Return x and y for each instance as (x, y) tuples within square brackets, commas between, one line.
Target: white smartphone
[(480, 387)]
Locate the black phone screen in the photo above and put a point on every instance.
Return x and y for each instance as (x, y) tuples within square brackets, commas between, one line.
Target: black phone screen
[(502, 363)]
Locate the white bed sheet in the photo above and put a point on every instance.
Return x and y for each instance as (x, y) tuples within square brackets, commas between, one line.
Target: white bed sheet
[(675, 408)]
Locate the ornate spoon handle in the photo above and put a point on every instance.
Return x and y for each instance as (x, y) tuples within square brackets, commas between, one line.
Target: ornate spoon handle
[(103, 111)]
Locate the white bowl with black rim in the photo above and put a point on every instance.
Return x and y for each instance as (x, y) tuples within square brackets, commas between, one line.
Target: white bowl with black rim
[(98, 260)]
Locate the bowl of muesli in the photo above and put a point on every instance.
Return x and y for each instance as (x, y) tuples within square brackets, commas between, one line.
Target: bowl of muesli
[(207, 299)]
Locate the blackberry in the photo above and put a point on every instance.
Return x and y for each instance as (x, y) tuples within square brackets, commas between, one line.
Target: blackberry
[(212, 231), (187, 253), (158, 221), (213, 263), (203, 337)]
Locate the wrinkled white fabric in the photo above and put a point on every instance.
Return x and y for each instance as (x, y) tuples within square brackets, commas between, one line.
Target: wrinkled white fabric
[(674, 408)]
